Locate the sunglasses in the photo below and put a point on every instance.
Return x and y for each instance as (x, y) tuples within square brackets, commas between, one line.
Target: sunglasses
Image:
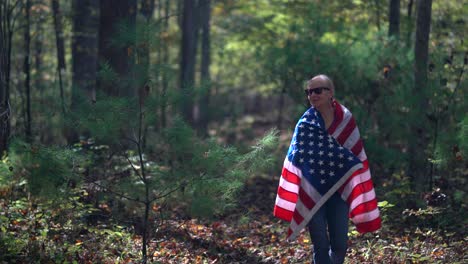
[(317, 90)]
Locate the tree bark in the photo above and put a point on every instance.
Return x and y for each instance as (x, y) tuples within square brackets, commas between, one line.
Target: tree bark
[(165, 82), (394, 19), (38, 45), (409, 22), (119, 56), (418, 144), (60, 47), (188, 60), (205, 15), (8, 15), (27, 68), (84, 54), (147, 9)]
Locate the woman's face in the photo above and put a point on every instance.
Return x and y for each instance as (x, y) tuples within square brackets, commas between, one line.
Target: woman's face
[(319, 93)]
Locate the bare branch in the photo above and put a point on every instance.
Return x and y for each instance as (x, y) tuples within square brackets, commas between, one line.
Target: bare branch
[(117, 193)]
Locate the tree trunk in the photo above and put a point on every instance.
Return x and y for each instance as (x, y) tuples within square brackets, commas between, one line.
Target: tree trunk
[(147, 9), (409, 22), (84, 54), (8, 14), (394, 19), (165, 82), (205, 16), (27, 68), (38, 47), (188, 60), (418, 144), (60, 47), (377, 13), (119, 56)]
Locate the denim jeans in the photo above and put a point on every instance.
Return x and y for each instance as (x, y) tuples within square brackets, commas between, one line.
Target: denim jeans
[(331, 246)]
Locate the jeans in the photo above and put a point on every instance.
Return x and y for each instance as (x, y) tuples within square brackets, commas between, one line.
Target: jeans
[(330, 247)]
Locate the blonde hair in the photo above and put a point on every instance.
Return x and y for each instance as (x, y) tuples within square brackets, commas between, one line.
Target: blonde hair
[(325, 78)]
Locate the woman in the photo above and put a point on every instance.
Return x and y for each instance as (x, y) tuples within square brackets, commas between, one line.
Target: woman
[(325, 177)]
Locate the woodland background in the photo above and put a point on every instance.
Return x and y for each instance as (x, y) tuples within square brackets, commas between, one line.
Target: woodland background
[(155, 130)]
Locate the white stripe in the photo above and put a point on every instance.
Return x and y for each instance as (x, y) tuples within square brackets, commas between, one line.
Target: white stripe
[(294, 226), (366, 217), (352, 139), (346, 118), (290, 167), (362, 198), (362, 156), (360, 178), (287, 205), (288, 186), (311, 191), (301, 208)]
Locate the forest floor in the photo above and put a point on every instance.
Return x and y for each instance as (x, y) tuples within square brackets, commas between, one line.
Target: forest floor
[(253, 235), (247, 234)]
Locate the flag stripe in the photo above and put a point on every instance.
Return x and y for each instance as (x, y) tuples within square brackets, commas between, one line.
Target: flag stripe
[(369, 226), (358, 147), (287, 195), (282, 213), (352, 139), (290, 176), (362, 198), (336, 121), (288, 186), (360, 189), (341, 126), (285, 204), (364, 208), (306, 199), (348, 129), (366, 217)]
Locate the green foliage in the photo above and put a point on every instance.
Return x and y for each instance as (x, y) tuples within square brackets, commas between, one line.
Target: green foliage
[(108, 119), (56, 232), (48, 170)]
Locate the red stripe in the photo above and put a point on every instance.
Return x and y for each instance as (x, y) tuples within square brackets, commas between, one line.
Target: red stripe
[(357, 147), (370, 226), (289, 232), (357, 173), (364, 208), (290, 177), (306, 199), (287, 195), (346, 131), (282, 213), (338, 118), (360, 189), (298, 217)]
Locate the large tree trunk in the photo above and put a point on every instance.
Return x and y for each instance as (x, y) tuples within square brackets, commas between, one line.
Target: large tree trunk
[(27, 68), (394, 19), (188, 60), (418, 144), (84, 54), (119, 56), (8, 13), (60, 47), (205, 15)]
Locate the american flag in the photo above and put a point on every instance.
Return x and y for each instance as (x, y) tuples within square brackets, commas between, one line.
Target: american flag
[(320, 163)]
